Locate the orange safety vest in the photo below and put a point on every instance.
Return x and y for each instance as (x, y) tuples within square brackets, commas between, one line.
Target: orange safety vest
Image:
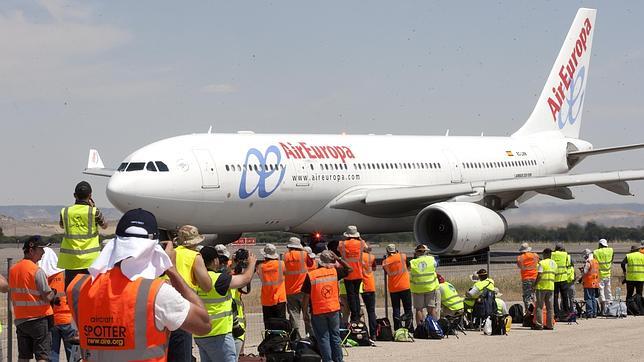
[(351, 252), (62, 313), (273, 289), (397, 275), (325, 293), (295, 265), (528, 262), (25, 296), (116, 317), (368, 280), (591, 279)]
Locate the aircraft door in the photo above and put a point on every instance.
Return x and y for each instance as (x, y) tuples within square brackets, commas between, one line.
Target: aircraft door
[(209, 176), (454, 166)]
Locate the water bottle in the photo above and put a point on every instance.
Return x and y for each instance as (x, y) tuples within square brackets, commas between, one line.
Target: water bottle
[(618, 293)]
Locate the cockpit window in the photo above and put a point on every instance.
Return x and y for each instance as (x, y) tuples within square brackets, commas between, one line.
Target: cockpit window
[(122, 167), (150, 167), (135, 166), (162, 166)]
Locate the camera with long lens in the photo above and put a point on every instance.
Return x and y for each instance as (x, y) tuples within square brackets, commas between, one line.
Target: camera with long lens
[(240, 259)]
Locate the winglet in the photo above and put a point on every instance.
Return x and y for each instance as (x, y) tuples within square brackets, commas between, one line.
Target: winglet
[(95, 165)]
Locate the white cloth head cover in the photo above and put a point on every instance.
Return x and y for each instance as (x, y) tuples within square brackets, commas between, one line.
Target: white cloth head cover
[(139, 257), (49, 262)]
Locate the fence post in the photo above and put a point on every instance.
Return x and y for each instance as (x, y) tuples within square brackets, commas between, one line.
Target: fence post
[(9, 319), (488, 262)]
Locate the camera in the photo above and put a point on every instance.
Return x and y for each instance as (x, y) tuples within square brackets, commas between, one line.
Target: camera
[(240, 259)]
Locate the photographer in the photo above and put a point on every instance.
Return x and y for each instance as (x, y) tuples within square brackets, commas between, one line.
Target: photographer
[(219, 343), (238, 266)]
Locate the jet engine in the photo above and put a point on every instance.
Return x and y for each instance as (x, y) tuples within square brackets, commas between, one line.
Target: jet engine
[(458, 228)]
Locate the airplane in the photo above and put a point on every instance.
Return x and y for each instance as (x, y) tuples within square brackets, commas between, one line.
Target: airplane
[(451, 191)]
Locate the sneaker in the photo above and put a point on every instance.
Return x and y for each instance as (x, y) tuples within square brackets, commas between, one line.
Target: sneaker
[(537, 328), (548, 328)]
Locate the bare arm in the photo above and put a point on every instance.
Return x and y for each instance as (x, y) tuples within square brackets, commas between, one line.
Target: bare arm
[(343, 263), (200, 273), (240, 280), (4, 286)]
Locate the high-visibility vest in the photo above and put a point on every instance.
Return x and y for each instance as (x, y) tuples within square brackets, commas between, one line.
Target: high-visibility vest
[(116, 317), (499, 305), (80, 244), (25, 296), (423, 274), (549, 271), (604, 257), (635, 267), (561, 259), (295, 266), (271, 274), (368, 279), (185, 262), (397, 275), (351, 252), (450, 298), (480, 285), (219, 308), (241, 317), (570, 271), (591, 278), (324, 290), (62, 312), (527, 263)]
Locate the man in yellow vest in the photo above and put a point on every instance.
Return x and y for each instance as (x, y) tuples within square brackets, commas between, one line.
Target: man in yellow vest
[(80, 245), (604, 256), (424, 285), (219, 343), (451, 302), (562, 259), (30, 297), (481, 282), (192, 269), (545, 287), (633, 268)]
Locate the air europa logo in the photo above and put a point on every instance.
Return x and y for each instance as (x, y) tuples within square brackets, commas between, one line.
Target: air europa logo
[(263, 179), (568, 82), (301, 150)]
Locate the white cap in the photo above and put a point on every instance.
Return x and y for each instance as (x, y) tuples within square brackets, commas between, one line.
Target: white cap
[(603, 242)]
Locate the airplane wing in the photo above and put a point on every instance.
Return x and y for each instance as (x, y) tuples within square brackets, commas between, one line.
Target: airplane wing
[(95, 165), (402, 200)]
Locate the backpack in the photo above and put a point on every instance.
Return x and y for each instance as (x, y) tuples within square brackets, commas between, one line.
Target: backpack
[(305, 351), (383, 330), (516, 312), (358, 332), (632, 307), (529, 316), (420, 332), (433, 329), (615, 309), (501, 324), (273, 342), (485, 305), (403, 335), (569, 317)]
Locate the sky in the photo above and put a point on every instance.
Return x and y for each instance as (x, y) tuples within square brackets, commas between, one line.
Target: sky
[(117, 75)]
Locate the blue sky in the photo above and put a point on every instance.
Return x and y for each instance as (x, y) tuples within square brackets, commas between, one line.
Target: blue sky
[(120, 74)]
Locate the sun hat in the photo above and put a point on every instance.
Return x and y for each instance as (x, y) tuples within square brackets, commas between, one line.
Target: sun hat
[(352, 232)]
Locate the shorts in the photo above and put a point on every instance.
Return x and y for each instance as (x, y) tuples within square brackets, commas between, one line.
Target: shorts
[(34, 339), (427, 300)]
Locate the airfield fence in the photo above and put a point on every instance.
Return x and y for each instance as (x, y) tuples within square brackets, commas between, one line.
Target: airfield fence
[(458, 270)]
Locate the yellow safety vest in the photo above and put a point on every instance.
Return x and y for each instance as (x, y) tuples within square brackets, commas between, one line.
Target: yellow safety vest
[(604, 257), (499, 306), (80, 245), (219, 308), (185, 261), (450, 298), (480, 286), (240, 311), (547, 279), (561, 259), (422, 274), (635, 267), (570, 271)]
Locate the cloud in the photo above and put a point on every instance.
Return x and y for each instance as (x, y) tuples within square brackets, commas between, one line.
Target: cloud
[(219, 88)]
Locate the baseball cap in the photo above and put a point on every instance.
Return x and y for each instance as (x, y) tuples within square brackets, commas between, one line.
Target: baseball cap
[(35, 241), (138, 223), (83, 189), (421, 248), (222, 251), (603, 242)]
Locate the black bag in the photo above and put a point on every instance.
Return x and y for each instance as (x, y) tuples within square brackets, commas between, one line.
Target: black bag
[(274, 342), (528, 317), (287, 356), (485, 304), (358, 333), (384, 331), (305, 351), (516, 312), (499, 323), (632, 306), (279, 324), (640, 303), (567, 317), (421, 332)]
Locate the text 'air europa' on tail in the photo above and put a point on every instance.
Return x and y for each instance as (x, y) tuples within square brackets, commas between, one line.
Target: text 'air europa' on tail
[(561, 102)]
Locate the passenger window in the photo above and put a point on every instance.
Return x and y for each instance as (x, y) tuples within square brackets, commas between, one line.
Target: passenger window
[(150, 167), (227, 169), (135, 166), (162, 167), (122, 167)]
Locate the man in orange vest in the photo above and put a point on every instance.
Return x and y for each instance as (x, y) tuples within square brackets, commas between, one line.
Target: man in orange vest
[(296, 265), (527, 263), (31, 296), (192, 269), (127, 310), (369, 289), (324, 296), (590, 281), (271, 274), (396, 267), (351, 249), (63, 330)]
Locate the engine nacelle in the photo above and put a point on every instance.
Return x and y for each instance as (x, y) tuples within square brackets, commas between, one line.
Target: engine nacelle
[(457, 228)]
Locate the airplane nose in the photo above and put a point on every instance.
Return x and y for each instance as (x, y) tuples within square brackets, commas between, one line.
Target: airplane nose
[(121, 192)]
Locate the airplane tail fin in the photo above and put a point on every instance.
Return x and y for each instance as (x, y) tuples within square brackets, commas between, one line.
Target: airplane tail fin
[(561, 101)]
